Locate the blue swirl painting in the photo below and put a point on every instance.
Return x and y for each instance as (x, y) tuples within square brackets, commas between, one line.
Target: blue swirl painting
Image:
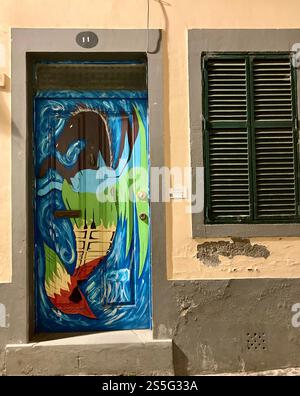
[(92, 214)]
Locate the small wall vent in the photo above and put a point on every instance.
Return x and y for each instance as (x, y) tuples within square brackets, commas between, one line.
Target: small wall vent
[(256, 341)]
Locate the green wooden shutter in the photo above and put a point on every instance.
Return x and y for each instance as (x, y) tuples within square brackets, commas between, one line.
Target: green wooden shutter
[(226, 140), (274, 132), (250, 139)]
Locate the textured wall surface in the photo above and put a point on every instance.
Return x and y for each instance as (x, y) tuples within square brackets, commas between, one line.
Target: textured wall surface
[(213, 324)]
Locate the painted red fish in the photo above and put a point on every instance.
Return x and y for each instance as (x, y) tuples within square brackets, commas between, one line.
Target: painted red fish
[(63, 289)]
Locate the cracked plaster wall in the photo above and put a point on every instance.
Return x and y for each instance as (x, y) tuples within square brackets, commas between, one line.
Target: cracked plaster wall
[(210, 323), (279, 258)]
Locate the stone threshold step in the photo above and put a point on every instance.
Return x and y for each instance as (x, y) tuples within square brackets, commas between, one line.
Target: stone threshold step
[(110, 353)]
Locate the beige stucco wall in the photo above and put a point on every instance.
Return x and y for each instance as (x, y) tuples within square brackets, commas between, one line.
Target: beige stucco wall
[(175, 17)]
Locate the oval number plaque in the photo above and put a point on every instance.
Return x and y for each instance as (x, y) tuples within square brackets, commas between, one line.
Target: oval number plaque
[(87, 39)]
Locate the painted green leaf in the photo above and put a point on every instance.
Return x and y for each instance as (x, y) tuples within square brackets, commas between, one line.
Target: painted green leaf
[(52, 263), (141, 180), (104, 213)]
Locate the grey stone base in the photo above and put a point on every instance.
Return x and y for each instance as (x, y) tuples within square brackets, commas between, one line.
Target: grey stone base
[(116, 353)]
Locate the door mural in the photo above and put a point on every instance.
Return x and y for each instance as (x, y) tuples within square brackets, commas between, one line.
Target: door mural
[(92, 216)]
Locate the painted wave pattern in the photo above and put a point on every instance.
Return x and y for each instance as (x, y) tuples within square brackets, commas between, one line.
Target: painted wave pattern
[(113, 291)]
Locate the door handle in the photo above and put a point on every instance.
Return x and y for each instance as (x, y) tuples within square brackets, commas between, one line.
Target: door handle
[(67, 213), (143, 216)]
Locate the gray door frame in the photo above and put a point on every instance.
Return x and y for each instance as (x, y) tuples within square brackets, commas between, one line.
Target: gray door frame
[(18, 296)]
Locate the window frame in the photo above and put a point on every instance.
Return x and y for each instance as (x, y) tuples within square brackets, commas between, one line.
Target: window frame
[(230, 41), (250, 125)]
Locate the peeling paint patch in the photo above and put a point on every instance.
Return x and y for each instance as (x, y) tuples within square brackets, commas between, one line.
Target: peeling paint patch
[(209, 252), (2, 316)]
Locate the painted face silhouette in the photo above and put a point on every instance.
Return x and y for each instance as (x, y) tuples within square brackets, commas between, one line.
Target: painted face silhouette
[(91, 129), (87, 127)]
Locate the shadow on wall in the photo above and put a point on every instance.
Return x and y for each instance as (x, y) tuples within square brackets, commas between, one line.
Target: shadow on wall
[(4, 110), (5, 113), (180, 361)]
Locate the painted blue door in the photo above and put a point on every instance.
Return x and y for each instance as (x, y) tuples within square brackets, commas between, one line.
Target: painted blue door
[(92, 216)]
